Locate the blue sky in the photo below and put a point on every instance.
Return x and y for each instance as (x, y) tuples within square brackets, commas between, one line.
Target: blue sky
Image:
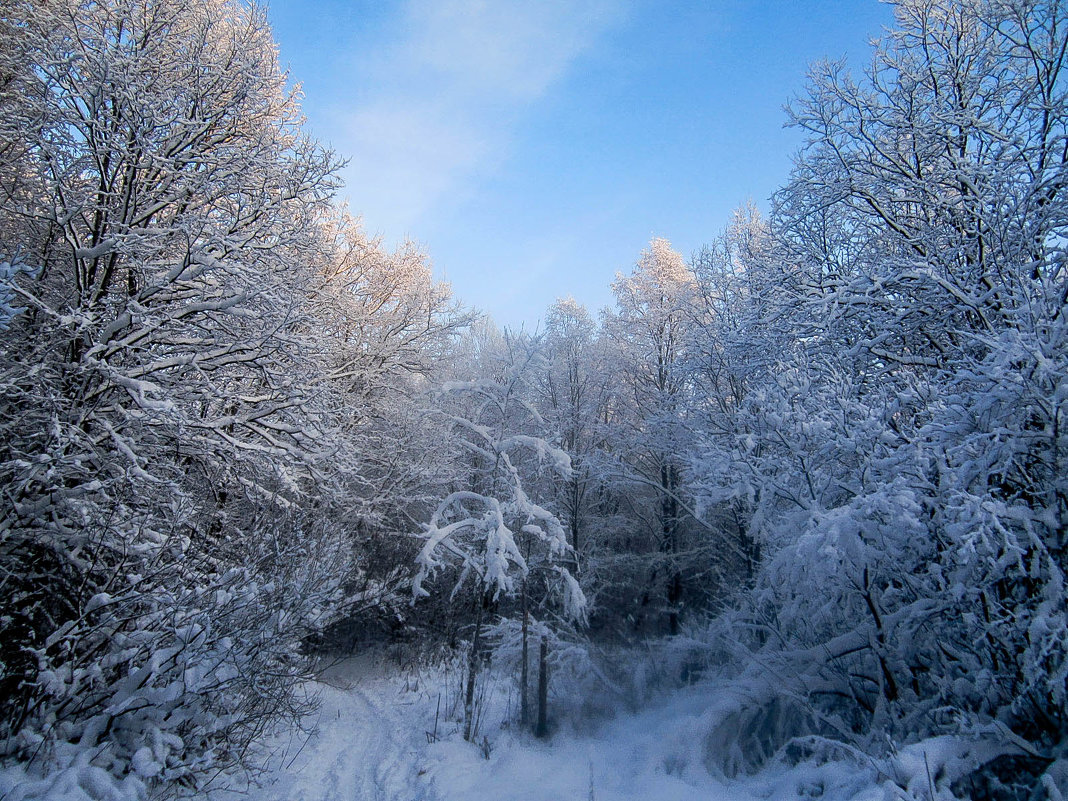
[(534, 148)]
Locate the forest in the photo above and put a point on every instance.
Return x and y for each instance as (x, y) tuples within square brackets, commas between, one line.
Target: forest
[(822, 462)]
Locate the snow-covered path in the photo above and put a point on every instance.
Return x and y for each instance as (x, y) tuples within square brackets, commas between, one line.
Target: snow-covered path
[(370, 744), (367, 745), (389, 767)]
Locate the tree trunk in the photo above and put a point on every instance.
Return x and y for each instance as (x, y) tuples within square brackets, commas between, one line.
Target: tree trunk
[(669, 519), (674, 597), (472, 673), (575, 492), (542, 728), (524, 670)]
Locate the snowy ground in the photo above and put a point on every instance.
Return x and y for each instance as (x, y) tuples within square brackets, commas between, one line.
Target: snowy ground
[(371, 744), (372, 740), (367, 742)]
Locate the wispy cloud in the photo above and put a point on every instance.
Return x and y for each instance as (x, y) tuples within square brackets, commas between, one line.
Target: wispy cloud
[(446, 94)]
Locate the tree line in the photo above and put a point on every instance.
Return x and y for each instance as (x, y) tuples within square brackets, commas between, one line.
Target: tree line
[(235, 430)]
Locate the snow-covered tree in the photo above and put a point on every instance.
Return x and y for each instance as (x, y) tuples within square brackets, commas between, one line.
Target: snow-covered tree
[(383, 332), (576, 394), (903, 461), (655, 312), (744, 331), (492, 530), (156, 444)]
